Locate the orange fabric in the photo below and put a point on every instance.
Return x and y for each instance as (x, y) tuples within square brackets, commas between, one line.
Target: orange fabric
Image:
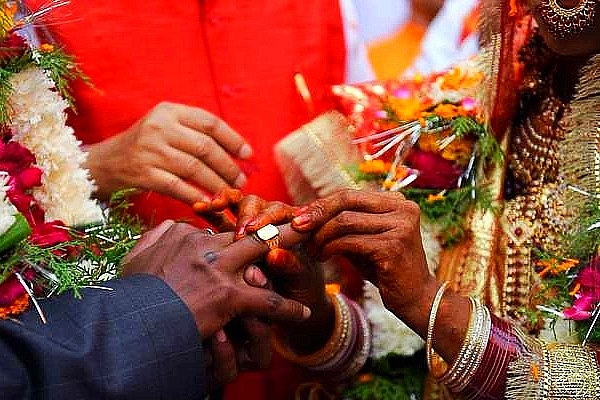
[(391, 56), (235, 58)]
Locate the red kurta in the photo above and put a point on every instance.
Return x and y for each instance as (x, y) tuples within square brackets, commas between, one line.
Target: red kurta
[(235, 58)]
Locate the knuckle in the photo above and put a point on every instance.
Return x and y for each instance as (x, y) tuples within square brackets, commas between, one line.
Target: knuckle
[(274, 302), (215, 123), (413, 211), (229, 170), (172, 183), (205, 145), (346, 196), (190, 167), (164, 107), (345, 221)]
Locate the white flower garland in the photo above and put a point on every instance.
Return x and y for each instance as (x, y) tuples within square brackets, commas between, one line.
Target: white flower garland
[(389, 334), (39, 124), (7, 210)]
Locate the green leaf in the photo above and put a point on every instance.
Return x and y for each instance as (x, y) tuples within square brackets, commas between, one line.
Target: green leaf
[(17, 232)]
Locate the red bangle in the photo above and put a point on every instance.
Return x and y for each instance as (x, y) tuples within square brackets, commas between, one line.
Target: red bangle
[(489, 381)]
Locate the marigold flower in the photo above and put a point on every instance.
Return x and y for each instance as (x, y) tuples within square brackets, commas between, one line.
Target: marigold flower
[(446, 111), (436, 197), (17, 307), (457, 79), (46, 48), (458, 150), (406, 109), (376, 167), (553, 267)]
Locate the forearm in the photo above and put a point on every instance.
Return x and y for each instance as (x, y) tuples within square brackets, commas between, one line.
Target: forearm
[(137, 341)]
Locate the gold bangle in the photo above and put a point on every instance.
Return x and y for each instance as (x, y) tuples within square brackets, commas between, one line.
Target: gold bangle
[(437, 300), (334, 345), (471, 353)]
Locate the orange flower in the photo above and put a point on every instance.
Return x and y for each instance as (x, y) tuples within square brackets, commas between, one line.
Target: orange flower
[(376, 167), (406, 109), (457, 79), (436, 197), (449, 111), (458, 150), (19, 305), (428, 142), (554, 267), (575, 289), (446, 111), (46, 48)]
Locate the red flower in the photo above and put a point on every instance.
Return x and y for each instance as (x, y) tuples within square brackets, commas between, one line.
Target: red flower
[(22, 201), (49, 234), (589, 292), (11, 289), (14, 158), (12, 46), (29, 178), (435, 172)]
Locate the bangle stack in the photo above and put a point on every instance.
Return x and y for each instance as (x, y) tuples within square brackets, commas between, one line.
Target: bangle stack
[(461, 372), (347, 349), (469, 358)]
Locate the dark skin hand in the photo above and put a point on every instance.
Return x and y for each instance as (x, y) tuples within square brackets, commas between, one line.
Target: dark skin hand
[(211, 275), (380, 232), (292, 273), (225, 357)]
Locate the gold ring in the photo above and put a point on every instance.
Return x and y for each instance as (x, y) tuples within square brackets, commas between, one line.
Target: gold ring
[(269, 235)]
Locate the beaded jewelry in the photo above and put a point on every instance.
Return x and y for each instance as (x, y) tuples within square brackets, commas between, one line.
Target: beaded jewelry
[(565, 22)]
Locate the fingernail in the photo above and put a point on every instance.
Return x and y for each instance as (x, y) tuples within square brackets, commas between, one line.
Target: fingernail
[(251, 224), (305, 312), (240, 181), (240, 232), (245, 152), (300, 220), (258, 277), (221, 336)]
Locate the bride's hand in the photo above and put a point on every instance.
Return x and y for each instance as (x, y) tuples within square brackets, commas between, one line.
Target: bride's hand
[(380, 233)]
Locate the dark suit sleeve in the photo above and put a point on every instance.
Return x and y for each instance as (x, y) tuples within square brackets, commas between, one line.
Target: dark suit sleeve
[(136, 342)]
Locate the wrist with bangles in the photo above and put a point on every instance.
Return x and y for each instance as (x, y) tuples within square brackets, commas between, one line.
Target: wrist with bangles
[(459, 374), (347, 348)]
